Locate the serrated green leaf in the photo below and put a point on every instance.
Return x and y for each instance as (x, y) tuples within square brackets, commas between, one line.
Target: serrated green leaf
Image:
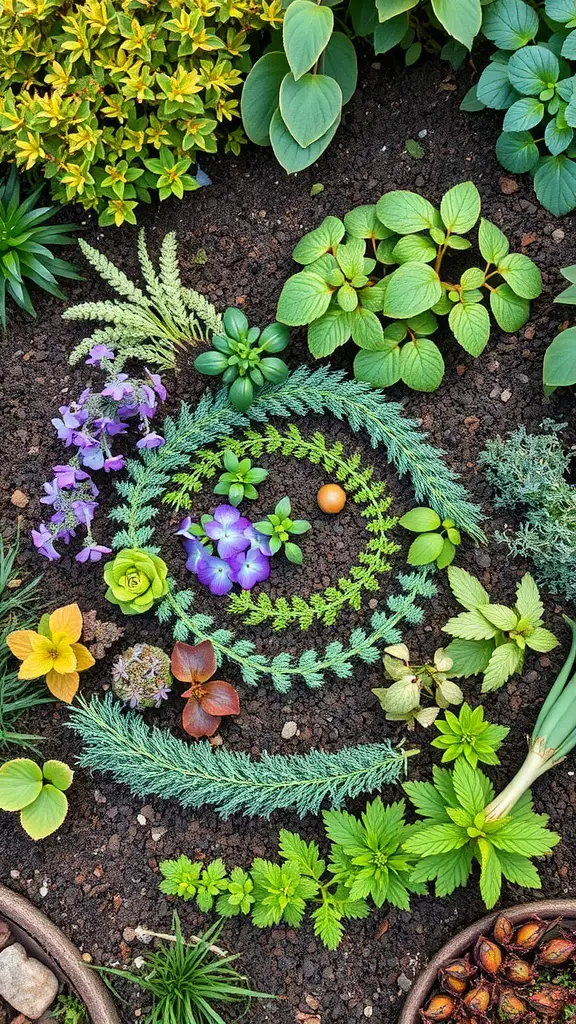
[(509, 310), (411, 289), (470, 626), (528, 600), (510, 24), (467, 590), (492, 241), (521, 274), (406, 212), (504, 662), (490, 873), (470, 325)]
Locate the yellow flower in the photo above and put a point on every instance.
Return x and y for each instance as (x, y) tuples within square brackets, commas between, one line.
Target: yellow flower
[(53, 651)]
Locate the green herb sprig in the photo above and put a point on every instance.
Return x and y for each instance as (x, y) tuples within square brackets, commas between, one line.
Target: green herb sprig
[(280, 527), (437, 538), (239, 478), (468, 735)]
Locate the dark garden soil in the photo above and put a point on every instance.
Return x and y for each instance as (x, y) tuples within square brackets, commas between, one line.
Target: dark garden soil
[(98, 877)]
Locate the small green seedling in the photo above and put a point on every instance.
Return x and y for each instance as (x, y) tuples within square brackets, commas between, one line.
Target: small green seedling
[(38, 793), (238, 481), (437, 539), (279, 527)]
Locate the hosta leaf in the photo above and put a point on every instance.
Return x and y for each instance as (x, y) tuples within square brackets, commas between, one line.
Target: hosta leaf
[(20, 783), (462, 20), (510, 24), (390, 8), (388, 34), (505, 661), (306, 32), (411, 289), (58, 773), (517, 151), (309, 106), (509, 310), (560, 360), (421, 365), (289, 154), (259, 97), (470, 324), (460, 207), (555, 184), (304, 298), (494, 88), (521, 274), (561, 10), (341, 64), (492, 241), (525, 113), (406, 212), (469, 657), (533, 69), (42, 817)]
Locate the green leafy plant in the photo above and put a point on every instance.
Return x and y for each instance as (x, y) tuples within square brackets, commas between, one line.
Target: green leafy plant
[(402, 701), (531, 472), (280, 527), (189, 981), (530, 78), (491, 639), (114, 104), (192, 880), (437, 539), (147, 326), (69, 1010), (26, 240), (38, 793), (559, 368), (341, 290), (458, 829), (469, 736), (239, 478), (136, 580), (242, 355)]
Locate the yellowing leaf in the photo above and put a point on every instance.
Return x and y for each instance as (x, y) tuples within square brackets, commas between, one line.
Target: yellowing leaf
[(84, 659), (64, 686)]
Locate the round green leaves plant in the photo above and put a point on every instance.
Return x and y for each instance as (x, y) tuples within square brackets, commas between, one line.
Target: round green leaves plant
[(342, 292), (136, 580), (239, 478), (279, 527), (437, 539), (244, 357), (38, 793)]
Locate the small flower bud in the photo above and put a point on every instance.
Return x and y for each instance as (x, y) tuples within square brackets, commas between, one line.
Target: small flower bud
[(488, 955), (556, 951), (518, 972), (479, 998), (528, 935), (439, 1008), (510, 1006), (503, 930), (455, 976)]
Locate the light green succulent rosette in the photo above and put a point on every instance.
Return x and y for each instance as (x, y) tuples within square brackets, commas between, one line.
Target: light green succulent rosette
[(136, 580)]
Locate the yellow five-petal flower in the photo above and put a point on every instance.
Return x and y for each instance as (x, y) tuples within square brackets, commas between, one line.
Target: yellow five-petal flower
[(54, 652)]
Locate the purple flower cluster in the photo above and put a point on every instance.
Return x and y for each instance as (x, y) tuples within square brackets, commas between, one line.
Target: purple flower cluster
[(89, 426), (242, 553)]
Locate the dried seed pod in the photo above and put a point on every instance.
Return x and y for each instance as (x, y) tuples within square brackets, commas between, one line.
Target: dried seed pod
[(549, 1000), (556, 951), (479, 998), (438, 1009), (519, 972), (488, 955), (510, 1006), (503, 931), (454, 977), (528, 935)]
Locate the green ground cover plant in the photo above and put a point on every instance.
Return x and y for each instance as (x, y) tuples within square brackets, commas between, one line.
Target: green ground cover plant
[(491, 639), (344, 289), (37, 793), (113, 102), (470, 736), (530, 76), (413, 684), (559, 369), (437, 539), (529, 473)]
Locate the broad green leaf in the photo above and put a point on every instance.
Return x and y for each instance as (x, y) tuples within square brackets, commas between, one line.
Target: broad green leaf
[(525, 113), (423, 324), (304, 298), (521, 274), (309, 106), (406, 212), (327, 333), (519, 870), (490, 874), (561, 10), (528, 600), (533, 69), (555, 184), (526, 836), (390, 8), (517, 151), (509, 310), (289, 154), (58, 773), (467, 590), (501, 616), (470, 325), (462, 20), (340, 63), (426, 800), (557, 137), (510, 24), (347, 298), (411, 289), (445, 558), (470, 626), (560, 360), (260, 94), (366, 329), (460, 207), (471, 104), (380, 369), (420, 520), (468, 787), (494, 88), (469, 657), (492, 241), (388, 34), (472, 278), (505, 661), (364, 16), (421, 365), (569, 46), (434, 839), (425, 549), (541, 640), (316, 243), (20, 783), (350, 256), (414, 249), (386, 248), (363, 222), (42, 817), (372, 296), (306, 32)]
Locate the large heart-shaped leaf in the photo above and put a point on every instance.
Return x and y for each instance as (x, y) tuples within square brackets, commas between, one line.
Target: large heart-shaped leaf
[(306, 32), (470, 324), (42, 817), (341, 64), (260, 94), (421, 365), (309, 106), (288, 153), (411, 289), (533, 69), (555, 184), (510, 24), (20, 783), (388, 34)]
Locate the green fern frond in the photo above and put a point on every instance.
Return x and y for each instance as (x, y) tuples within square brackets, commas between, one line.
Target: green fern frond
[(153, 762)]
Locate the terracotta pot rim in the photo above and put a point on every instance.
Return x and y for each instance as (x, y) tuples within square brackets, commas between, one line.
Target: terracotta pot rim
[(458, 945), (63, 955)]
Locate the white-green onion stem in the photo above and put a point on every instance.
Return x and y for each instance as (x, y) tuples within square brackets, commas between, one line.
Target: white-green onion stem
[(554, 736)]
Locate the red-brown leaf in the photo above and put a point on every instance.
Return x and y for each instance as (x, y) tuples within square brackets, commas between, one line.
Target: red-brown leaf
[(197, 722), (220, 698), (193, 664)]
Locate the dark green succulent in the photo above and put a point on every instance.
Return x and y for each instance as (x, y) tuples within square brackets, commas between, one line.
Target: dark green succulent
[(243, 357), (25, 241)]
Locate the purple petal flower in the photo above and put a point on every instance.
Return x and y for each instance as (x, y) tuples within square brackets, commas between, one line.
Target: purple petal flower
[(258, 540), (150, 441), (115, 462), (215, 573), (118, 388), (69, 476), (147, 403), (157, 385), (71, 422), (92, 456), (162, 693), (92, 553), (52, 493), (249, 567), (185, 525), (42, 540), (227, 528), (98, 352), (84, 511), (195, 551)]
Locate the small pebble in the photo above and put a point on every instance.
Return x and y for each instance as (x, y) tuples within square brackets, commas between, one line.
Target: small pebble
[(141, 819), (558, 235), (289, 729), (505, 396)]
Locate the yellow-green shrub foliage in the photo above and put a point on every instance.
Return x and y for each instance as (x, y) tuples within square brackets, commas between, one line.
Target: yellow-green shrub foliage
[(113, 100)]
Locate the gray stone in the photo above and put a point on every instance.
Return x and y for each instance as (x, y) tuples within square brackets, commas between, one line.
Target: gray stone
[(26, 984), (289, 730)]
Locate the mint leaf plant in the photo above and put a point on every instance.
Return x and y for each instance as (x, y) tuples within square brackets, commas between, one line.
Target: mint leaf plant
[(239, 478), (402, 701), (457, 830), (437, 539), (344, 290), (244, 357), (530, 78), (279, 527), (468, 735), (491, 639)]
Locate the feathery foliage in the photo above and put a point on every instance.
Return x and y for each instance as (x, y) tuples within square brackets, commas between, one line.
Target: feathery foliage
[(359, 486), (151, 325), (528, 472), (152, 762)]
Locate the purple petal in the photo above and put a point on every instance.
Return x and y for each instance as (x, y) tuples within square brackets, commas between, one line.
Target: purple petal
[(150, 441), (227, 515), (215, 573), (250, 568), (115, 462)]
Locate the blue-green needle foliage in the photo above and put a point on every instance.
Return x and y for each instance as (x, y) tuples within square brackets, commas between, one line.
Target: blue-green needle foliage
[(153, 762), (529, 475)]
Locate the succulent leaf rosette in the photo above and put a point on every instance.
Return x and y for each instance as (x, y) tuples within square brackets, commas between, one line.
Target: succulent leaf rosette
[(136, 580)]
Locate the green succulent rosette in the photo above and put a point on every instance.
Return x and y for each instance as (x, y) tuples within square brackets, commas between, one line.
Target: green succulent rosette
[(136, 580)]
